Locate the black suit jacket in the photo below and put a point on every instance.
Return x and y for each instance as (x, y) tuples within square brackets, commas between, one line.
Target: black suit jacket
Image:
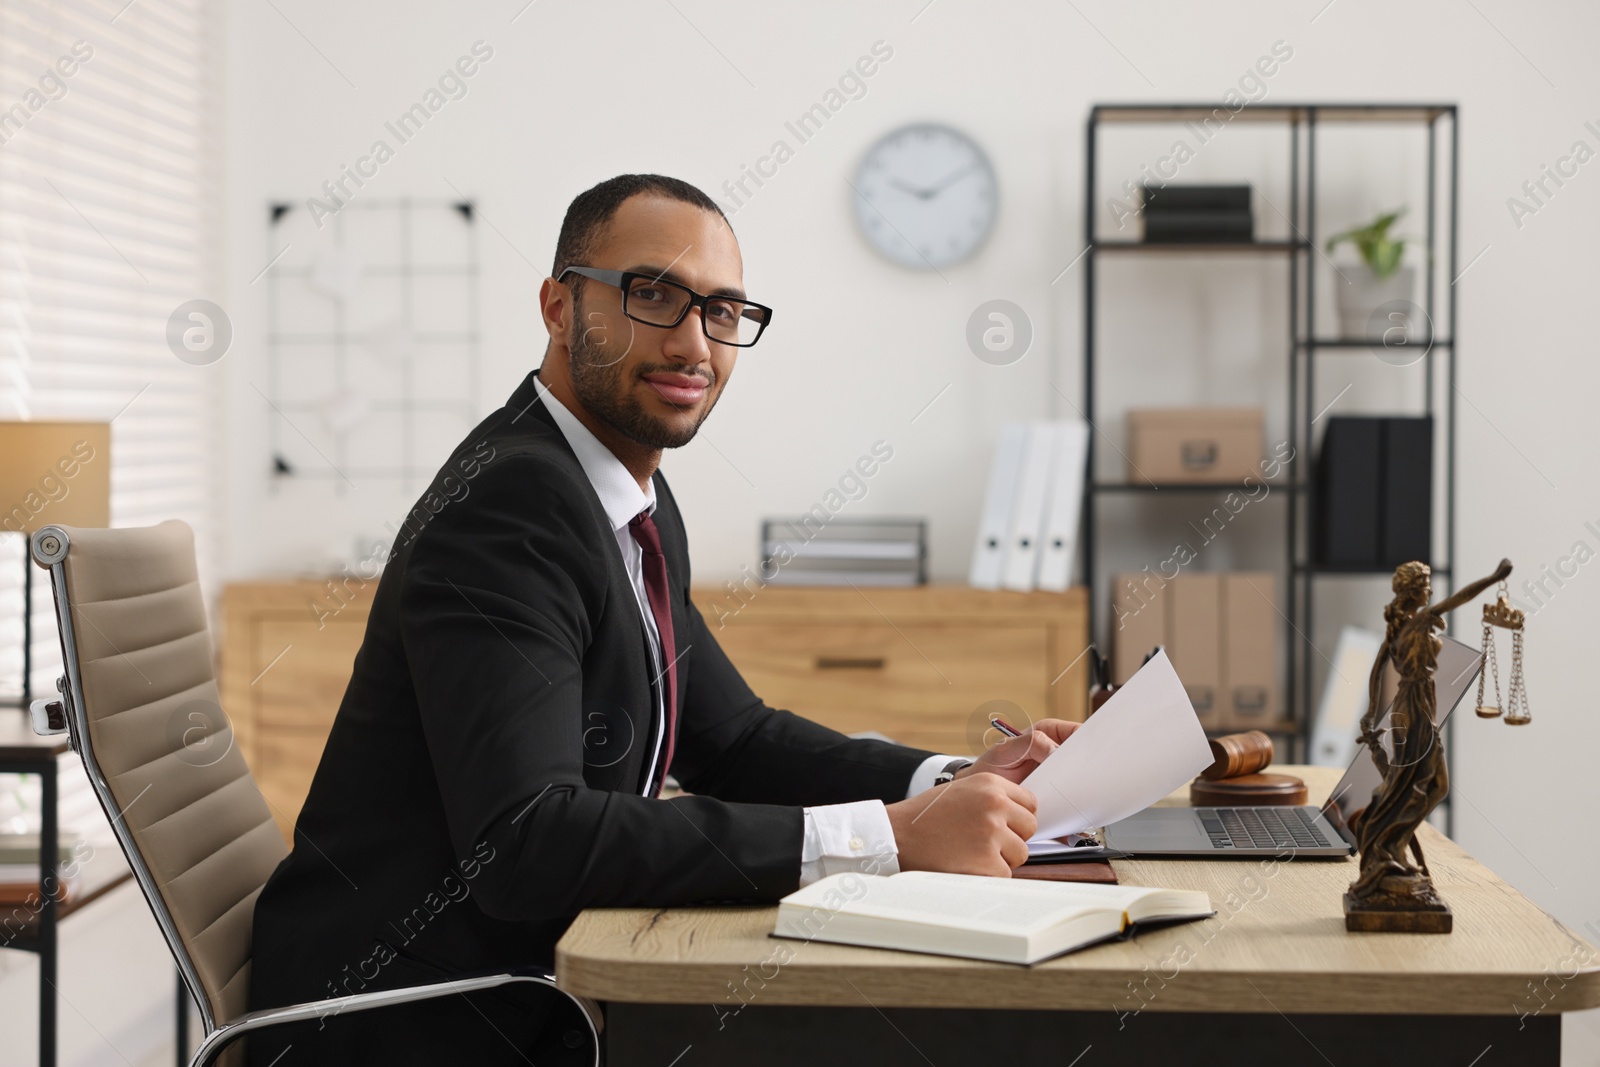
[(481, 783)]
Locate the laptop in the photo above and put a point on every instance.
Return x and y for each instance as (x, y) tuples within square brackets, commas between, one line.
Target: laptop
[(1220, 833)]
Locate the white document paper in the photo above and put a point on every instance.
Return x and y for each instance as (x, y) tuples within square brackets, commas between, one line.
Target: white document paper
[(1087, 847), (1141, 745)]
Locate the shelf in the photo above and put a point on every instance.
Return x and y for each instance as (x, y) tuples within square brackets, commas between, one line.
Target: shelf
[(1359, 572), (1189, 487), (1233, 247), (1301, 125), (1372, 342), (1426, 113)]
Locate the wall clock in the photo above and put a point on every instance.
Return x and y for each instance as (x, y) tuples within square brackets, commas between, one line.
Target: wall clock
[(926, 196)]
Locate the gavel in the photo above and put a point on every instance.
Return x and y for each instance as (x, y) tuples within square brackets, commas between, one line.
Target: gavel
[(1238, 754), (1234, 777)]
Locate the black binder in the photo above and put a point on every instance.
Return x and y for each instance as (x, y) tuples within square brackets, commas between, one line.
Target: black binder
[(1349, 482), (1407, 506), (1373, 508)]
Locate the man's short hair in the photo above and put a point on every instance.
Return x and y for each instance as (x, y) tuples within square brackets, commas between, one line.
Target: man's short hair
[(591, 211)]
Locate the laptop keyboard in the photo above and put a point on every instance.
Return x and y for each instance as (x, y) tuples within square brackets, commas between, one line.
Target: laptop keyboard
[(1263, 828)]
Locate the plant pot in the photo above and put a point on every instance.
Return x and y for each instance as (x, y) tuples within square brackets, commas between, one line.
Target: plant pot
[(1358, 300)]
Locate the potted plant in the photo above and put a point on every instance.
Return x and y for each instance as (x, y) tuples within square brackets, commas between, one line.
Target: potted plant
[(1360, 293)]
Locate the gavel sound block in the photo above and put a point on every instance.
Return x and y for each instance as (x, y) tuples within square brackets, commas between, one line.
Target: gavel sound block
[(1234, 779)]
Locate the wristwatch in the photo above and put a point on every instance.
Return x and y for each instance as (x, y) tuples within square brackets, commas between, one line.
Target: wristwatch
[(948, 775)]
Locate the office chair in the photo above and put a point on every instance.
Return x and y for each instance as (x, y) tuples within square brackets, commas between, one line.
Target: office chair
[(139, 687)]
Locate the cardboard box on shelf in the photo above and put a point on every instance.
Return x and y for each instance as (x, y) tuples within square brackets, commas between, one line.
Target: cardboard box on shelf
[(1219, 629), (1194, 641), (1249, 627), (1138, 620), (1195, 444)]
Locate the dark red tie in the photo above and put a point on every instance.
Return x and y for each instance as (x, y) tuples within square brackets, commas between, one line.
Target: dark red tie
[(644, 531)]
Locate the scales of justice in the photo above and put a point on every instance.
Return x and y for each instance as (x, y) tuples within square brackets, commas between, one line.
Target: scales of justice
[(1392, 893)]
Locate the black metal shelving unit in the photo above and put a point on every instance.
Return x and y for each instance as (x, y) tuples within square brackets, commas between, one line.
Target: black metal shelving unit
[(1302, 349)]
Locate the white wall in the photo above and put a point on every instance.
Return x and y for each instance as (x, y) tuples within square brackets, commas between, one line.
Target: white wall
[(859, 347)]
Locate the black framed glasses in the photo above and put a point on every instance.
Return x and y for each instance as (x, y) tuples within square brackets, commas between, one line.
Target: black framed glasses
[(652, 300)]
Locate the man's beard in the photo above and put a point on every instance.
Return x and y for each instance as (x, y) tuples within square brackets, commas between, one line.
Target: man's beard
[(601, 384)]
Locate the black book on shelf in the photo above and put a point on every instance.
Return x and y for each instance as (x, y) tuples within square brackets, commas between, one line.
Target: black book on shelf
[(1165, 198), (1180, 226), (1345, 524), (1407, 504)]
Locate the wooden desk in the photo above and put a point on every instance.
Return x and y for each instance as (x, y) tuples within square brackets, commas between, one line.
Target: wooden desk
[(1273, 978)]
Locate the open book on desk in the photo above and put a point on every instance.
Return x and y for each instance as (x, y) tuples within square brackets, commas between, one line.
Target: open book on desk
[(977, 917)]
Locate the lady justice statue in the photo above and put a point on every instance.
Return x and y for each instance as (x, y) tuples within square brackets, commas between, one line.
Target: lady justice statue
[(1392, 894)]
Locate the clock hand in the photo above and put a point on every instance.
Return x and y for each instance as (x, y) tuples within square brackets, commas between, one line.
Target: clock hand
[(921, 194), (939, 187)]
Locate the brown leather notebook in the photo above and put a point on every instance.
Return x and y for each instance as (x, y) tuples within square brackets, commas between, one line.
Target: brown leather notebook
[(1087, 871)]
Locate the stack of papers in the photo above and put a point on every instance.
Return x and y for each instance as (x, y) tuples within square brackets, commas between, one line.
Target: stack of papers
[(1143, 743)]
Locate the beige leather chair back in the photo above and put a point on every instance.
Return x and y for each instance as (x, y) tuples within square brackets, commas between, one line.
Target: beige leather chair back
[(166, 751)]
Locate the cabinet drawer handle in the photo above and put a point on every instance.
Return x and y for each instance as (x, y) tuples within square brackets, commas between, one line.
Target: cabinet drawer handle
[(850, 663)]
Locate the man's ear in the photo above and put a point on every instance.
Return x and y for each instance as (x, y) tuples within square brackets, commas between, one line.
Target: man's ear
[(556, 308)]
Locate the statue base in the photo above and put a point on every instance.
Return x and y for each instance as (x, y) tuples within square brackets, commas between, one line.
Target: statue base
[(1400, 906)]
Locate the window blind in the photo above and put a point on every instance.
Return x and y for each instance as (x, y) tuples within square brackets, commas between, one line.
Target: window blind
[(108, 222)]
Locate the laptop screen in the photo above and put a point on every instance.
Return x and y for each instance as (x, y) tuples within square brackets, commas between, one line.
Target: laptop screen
[(1457, 669)]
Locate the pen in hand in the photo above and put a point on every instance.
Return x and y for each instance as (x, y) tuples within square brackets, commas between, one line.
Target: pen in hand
[(1089, 838), (1004, 727)]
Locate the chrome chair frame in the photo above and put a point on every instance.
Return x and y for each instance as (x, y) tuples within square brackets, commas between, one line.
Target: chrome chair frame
[(49, 547)]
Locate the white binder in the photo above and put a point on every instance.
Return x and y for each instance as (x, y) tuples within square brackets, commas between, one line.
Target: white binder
[(1059, 542), (1028, 512), (994, 524), (1344, 697)]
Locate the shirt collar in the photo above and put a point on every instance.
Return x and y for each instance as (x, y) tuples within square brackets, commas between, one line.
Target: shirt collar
[(620, 495)]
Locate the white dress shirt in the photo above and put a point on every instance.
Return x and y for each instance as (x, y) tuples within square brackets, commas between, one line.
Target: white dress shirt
[(838, 837)]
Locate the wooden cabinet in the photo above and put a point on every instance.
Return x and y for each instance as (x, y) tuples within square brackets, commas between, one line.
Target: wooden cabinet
[(287, 652), (924, 666)]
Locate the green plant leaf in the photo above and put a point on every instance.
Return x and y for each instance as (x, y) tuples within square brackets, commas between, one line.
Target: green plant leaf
[(1378, 250), (1381, 226), (1386, 257)]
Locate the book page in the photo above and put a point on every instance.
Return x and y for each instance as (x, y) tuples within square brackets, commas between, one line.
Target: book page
[(1171, 903), (965, 901)]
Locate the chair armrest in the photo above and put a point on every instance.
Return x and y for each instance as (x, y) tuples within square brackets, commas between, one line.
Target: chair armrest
[(224, 1035)]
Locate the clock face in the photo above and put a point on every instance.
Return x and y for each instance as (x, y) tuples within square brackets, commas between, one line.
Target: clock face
[(926, 196)]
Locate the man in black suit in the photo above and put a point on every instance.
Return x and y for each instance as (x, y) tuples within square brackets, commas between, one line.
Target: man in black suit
[(533, 668)]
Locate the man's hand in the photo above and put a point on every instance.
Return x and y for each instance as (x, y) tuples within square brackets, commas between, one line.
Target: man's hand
[(1015, 758), (979, 825)]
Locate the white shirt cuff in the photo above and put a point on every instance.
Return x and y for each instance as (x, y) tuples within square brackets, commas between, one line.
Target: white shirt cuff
[(922, 780), (848, 837)]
